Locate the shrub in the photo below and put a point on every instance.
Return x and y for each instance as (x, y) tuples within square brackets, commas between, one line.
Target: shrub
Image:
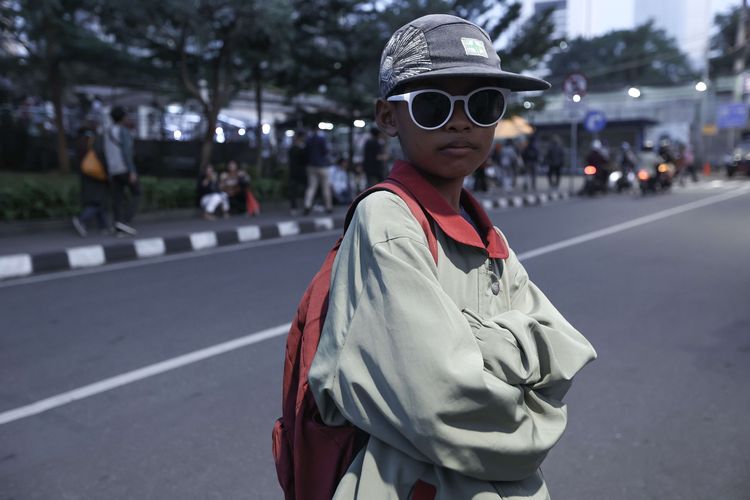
[(51, 196)]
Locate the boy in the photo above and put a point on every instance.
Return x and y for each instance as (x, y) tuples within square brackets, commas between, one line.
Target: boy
[(455, 369)]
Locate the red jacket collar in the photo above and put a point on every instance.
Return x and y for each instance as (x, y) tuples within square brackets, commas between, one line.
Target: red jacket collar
[(450, 222)]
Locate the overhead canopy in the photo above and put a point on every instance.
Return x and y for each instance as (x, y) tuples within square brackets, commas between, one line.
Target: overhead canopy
[(513, 127)]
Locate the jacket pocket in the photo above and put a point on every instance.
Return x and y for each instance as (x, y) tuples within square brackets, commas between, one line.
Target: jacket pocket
[(282, 456)]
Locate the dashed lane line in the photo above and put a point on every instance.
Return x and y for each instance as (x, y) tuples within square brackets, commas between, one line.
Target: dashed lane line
[(225, 347)]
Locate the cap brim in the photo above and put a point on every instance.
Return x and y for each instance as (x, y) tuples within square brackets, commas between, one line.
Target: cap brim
[(504, 79)]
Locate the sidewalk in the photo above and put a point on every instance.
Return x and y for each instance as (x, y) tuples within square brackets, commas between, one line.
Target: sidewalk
[(27, 249)]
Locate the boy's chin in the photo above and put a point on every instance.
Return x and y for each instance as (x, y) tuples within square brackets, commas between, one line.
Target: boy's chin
[(448, 172)]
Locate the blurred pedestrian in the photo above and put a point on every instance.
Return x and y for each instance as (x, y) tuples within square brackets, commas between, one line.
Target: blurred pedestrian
[(374, 157), (297, 161), (340, 185), (530, 158), (480, 177), (689, 160), (94, 189), (212, 200), (555, 159), (510, 163), (118, 149), (318, 166), (235, 183)]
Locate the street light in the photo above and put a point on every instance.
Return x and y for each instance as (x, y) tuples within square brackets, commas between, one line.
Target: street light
[(701, 86), (634, 92)]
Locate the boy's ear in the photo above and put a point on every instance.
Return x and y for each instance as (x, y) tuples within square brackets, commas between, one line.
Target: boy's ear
[(385, 117)]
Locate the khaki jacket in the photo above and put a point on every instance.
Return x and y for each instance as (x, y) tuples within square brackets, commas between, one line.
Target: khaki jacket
[(457, 370)]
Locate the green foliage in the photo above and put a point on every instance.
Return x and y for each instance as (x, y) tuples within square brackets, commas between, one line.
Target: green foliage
[(37, 197), (723, 43), (266, 188), (641, 56), (337, 44), (54, 196)]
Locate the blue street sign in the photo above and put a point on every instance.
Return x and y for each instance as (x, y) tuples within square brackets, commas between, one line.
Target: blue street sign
[(594, 121), (732, 115)]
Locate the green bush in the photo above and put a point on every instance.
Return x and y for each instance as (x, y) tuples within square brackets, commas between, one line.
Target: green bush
[(53, 196), (38, 196)]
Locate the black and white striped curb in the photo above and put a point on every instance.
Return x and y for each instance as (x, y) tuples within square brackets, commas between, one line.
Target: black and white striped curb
[(20, 265), (525, 200)]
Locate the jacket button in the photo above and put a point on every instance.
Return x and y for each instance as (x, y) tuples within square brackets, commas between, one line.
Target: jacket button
[(495, 286)]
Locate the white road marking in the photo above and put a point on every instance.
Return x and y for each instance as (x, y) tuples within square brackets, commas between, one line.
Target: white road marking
[(42, 278), (12, 266), (88, 256), (150, 247), (203, 240), (288, 228), (324, 223), (140, 374), (248, 233), (254, 338), (631, 224)]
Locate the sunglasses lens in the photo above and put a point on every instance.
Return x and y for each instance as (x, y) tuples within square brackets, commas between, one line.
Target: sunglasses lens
[(486, 106), (430, 109)]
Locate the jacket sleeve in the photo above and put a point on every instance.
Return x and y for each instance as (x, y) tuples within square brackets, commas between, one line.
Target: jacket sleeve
[(126, 146), (531, 345), (399, 360)]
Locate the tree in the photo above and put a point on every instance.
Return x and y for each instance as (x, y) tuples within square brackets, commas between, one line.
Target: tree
[(213, 48), (723, 43), (641, 56), (56, 42), (337, 44)]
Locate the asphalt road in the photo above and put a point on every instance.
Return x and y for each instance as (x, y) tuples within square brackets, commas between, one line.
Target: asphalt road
[(661, 414)]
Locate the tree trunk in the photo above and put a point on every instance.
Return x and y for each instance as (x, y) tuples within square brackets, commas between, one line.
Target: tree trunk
[(63, 162), (54, 80), (259, 110), (212, 114)]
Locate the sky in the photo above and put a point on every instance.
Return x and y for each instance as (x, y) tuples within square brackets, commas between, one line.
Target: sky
[(689, 21)]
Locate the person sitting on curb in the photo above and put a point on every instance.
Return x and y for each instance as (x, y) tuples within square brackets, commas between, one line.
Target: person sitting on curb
[(210, 197), (235, 182)]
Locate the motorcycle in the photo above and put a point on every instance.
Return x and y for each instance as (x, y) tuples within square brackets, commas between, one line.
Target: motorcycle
[(619, 181), (596, 180), (657, 179), (599, 180)]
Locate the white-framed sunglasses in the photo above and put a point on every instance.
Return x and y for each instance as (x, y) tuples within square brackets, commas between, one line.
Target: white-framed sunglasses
[(430, 109)]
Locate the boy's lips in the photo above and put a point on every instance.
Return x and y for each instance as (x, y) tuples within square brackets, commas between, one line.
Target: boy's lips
[(458, 145)]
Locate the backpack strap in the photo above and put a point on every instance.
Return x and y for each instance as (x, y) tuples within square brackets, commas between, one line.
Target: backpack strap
[(398, 188)]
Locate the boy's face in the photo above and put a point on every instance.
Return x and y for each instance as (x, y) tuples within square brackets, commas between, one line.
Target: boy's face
[(450, 152)]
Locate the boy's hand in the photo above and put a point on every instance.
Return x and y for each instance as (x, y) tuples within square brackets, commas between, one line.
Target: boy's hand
[(502, 355)]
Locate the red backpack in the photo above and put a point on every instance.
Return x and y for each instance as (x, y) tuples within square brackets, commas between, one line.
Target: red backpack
[(312, 457)]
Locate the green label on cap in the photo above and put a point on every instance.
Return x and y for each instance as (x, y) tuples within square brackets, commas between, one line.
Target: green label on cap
[(474, 47)]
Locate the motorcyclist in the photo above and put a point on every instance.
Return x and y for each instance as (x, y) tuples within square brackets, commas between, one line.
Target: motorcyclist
[(628, 160), (599, 158), (648, 159)]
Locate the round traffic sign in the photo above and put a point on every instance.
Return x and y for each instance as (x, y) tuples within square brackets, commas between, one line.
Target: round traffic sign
[(575, 84), (595, 121)]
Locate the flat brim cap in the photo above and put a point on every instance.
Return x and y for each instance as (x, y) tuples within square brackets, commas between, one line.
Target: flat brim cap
[(441, 46)]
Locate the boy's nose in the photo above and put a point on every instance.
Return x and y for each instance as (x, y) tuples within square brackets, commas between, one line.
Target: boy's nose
[(458, 120)]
